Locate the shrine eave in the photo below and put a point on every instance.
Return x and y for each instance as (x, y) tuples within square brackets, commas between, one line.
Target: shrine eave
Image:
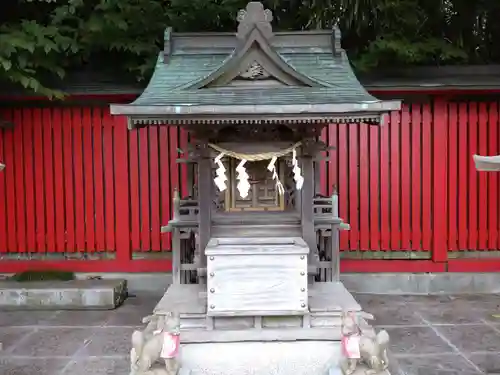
[(367, 112)]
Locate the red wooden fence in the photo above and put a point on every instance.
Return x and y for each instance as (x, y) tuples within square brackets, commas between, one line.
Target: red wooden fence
[(82, 192)]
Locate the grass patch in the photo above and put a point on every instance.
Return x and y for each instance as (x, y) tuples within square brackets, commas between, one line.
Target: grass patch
[(43, 276)]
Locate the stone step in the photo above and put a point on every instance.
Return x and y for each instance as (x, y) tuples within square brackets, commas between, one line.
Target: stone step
[(256, 230), (63, 295)]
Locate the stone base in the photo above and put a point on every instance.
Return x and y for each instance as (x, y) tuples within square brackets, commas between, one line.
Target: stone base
[(63, 295), (321, 323), (261, 358)]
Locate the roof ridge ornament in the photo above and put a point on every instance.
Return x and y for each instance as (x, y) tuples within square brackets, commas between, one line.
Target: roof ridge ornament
[(254, 16)]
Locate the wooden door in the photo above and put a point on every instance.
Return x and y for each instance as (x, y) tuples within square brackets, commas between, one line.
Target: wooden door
[(263, 194)]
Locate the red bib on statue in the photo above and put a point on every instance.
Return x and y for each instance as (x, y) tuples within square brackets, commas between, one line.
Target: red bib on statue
[(350, 346), (170, 346)]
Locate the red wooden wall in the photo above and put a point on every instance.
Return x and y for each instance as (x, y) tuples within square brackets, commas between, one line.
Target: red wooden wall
[(81, 192)]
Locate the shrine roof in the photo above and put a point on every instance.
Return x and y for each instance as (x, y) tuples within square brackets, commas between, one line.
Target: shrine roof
[(254, 75)]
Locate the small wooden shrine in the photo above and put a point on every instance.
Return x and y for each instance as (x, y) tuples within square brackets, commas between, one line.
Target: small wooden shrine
[(255, 249)]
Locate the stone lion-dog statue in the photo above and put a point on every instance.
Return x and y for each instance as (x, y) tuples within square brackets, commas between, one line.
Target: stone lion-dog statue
[(372, 346), (147, 346)]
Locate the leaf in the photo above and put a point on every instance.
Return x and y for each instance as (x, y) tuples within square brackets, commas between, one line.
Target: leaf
[(6, 64)]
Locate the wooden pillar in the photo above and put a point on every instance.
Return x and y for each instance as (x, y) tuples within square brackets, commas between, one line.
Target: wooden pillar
[(307, 208), (205, 197), (335, 239), (176, 241)]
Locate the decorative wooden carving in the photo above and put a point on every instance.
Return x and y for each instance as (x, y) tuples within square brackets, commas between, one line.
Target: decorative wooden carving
[(254, 16), (255, 72)]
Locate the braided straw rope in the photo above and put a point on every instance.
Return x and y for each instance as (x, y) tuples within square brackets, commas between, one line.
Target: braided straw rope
[(255, 157)]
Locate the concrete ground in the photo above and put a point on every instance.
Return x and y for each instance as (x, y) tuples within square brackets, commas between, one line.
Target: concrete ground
[(452, 335)]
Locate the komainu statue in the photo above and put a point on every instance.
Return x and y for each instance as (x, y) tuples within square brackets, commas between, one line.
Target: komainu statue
[(362, 346), (155, 350)]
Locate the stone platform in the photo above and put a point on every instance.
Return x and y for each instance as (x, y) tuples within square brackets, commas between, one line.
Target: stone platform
[(63, 295), (321, 323)]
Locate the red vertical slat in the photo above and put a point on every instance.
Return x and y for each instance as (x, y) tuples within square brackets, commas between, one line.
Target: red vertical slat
[(364, 189), (323, 177), (440, 181), (79, 184), (10, 196), (395, 182), (385, 186), (493, 178), (144, 189), (88, 168), (463, 182), (135, 206), (344, 196), (332, 162), (473, 176), (164, 183), (100, 226), (3, 203), (39, 179), (69, 184), (48, 169), (122, 196), (426, 177), (452, 176), (374, 187), (109, 183), (184, 167), (483, 203), (19, 180), (353, 187), (416, 177), (154, 179), (60, 214), (405, 148)]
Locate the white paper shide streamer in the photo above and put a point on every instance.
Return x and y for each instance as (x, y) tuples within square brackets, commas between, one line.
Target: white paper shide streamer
[(243, 185), (272, 168), (242, 176), (220, 179), (297, 176)]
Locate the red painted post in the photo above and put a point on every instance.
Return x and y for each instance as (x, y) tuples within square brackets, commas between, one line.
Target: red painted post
[(440, 181), (122, 196)]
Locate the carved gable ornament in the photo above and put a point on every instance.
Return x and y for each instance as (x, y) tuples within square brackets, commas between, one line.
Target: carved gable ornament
[(254, 16), (255, 71)]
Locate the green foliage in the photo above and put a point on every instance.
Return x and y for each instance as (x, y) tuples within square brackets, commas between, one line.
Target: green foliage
[(48, 275), (43, 39)]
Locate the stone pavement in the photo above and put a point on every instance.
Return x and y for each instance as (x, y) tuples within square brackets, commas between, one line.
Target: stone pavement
[(456, 335)]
